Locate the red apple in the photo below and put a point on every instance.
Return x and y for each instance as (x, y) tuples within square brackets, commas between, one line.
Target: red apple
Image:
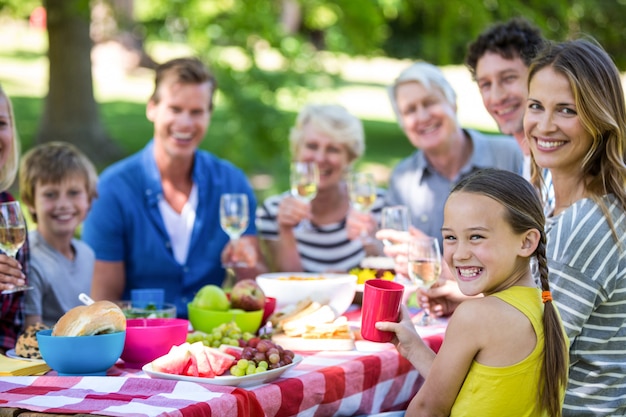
[(247, 295)]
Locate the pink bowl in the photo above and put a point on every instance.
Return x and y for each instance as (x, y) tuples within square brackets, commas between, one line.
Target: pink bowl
[(148, 339)]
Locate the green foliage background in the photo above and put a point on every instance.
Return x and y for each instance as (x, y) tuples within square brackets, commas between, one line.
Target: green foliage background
[(258, 101)]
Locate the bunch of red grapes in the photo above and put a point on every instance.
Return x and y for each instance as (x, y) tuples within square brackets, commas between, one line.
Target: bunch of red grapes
[(259, 350)]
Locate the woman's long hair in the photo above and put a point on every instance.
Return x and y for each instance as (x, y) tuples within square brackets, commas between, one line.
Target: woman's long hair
[(9, 169), (599, 97)]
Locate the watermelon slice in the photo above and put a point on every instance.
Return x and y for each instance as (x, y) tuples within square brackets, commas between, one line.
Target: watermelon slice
[(220, 361), (192, 367), (174, 362), (232, 350), (202, 361), (194, 359)]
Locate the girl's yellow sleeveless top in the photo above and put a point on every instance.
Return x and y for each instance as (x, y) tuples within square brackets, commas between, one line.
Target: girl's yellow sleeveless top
[(510, 390)]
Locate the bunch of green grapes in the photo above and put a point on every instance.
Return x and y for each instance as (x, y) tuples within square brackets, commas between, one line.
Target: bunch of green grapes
[(245, 367), (224, 334)]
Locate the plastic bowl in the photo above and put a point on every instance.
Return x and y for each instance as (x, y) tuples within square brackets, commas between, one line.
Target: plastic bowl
[(80, 355), (168, 311), (207, 320), (148, 339), (336, 290)]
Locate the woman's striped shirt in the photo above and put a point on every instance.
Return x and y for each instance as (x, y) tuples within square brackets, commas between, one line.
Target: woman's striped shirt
[(588, 281), (322, 248)]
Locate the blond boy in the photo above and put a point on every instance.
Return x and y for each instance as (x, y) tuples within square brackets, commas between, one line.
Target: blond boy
[(57, 185)]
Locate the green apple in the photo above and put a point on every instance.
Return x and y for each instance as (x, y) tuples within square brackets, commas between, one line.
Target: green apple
[(211, 297)]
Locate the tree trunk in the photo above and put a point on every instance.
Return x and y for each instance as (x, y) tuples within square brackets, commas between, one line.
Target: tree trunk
[(70, 111)]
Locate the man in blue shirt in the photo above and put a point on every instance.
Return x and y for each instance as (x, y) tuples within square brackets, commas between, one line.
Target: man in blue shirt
[(155, 223)]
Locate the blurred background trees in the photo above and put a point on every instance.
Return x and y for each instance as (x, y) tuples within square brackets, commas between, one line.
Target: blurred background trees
[(268, 54)]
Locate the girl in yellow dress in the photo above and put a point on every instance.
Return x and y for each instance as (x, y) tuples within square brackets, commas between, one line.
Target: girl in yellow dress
[(504, 354)]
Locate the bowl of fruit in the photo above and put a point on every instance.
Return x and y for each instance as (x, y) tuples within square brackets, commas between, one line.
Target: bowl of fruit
[(212, 307)]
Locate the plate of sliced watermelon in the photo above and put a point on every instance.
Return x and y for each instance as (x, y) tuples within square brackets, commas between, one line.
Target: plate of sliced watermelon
[(225, 378)]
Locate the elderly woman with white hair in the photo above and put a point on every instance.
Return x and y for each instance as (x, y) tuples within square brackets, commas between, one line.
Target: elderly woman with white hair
[(425, 106), (334, 139)]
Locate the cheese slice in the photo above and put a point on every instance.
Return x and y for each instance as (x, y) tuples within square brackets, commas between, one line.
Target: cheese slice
[(298, 326)]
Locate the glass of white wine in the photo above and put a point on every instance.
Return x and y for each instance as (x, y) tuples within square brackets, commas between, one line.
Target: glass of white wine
[(424, 264), (304, 178), (362, 191), (396, 218), (234, 218), (12, 234)]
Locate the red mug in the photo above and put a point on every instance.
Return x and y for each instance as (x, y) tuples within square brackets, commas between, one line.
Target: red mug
[(381, 302)]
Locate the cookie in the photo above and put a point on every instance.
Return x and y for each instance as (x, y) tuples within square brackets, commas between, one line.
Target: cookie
[(27, 346)]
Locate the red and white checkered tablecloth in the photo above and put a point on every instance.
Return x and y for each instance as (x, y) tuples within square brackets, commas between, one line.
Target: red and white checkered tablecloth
[(124, 396), (323, 384)]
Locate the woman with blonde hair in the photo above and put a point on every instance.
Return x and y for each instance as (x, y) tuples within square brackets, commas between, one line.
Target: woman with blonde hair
[(331, 137), (575, 124), (12, 271)]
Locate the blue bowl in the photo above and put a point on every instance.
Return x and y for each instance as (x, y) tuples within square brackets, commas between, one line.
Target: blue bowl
[(80, 355)]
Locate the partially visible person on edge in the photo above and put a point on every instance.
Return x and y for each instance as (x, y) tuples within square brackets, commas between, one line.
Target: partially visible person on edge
[(155, 223), (334, 139), (575, 123), (13, 272), (425, 104), (57, 184), (504, 353)]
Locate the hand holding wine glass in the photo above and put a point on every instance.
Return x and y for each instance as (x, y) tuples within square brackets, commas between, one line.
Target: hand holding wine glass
[(362, 191), (424, 264), (396, 218), (12, 234), (304, 178), (234, 218)]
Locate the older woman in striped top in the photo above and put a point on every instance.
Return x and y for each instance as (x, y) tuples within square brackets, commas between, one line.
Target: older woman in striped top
[(334, 139)]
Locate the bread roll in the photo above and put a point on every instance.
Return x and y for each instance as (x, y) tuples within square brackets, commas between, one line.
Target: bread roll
[(97, 318)]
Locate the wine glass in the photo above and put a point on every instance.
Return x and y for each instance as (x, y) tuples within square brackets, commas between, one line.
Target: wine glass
[(362, 190), (396, 218), (304, 178), (12, 234), (234, 218), (424, 264)]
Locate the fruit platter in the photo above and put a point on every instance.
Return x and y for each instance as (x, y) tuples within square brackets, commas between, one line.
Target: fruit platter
[(227, 378), (223, 348), (239, 362), (258, 362)]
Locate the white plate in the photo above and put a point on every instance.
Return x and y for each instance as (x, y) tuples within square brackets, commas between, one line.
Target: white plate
[(227, 379), (11, 354)]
